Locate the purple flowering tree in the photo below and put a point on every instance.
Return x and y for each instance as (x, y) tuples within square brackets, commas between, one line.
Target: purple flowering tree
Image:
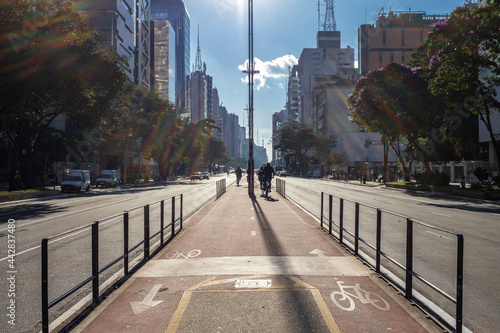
[(395, 101), (461, 61)]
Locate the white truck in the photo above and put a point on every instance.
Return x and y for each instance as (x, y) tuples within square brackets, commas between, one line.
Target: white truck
[(108, 178), (77, 181)]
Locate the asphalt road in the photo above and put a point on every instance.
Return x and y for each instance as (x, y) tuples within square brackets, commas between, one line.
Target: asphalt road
[(435, 252), (70, 256), (477, 220)]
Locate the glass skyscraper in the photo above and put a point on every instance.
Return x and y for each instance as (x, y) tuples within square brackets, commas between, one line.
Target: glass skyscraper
[(176, 12)]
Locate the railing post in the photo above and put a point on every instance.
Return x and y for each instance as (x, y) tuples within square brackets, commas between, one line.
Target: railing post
[(409, 259), (356, 229), (379, 239), (322, 210), (330, 214), (45, 286), (460, 282), (341, 221), (95, 263), (172, 233), (180, 215), (125, 243), (162, 220), (146, 232)]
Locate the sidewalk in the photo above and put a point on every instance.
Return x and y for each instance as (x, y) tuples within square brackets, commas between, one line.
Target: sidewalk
[(245, 264)]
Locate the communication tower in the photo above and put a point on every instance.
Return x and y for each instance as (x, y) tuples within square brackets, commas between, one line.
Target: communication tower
[(329, 23)]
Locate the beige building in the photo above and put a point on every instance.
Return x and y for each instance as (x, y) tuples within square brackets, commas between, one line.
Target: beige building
[(363, 150), (393, 38)]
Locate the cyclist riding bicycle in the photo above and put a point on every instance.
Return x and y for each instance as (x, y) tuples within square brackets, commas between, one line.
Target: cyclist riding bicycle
[(238, 173), (268, 174)]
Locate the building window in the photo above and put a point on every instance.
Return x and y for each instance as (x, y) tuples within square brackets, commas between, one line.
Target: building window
[(402, 58), (384, 39), (380, 59), (392, 56)]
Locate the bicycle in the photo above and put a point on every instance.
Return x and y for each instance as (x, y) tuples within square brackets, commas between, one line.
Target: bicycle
[(267, 184), (366, 297)]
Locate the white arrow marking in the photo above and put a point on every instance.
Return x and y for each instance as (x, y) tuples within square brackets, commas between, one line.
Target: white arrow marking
[(147, 303), (318, 252)]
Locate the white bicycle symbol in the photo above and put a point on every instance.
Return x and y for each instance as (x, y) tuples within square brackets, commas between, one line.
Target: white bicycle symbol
[(345, 300), (179, 255)]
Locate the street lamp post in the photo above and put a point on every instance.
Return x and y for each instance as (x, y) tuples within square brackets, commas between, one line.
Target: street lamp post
[(250, 70)]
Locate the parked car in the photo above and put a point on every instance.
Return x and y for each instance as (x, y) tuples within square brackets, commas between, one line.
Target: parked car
[(204, 175), (196, 175), (284, 173), (77, 181), (108, 178)]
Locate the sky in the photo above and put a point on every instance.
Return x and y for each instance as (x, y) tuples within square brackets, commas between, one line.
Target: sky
[(282, 29)]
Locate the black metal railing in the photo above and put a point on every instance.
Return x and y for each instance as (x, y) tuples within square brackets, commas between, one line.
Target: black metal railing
[(220, 187), (280, 187), (169, 230), (407, 287)]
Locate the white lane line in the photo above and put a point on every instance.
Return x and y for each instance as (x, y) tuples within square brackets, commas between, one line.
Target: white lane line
[(72, 213), (440, 236), (444, 215), (57, 240)]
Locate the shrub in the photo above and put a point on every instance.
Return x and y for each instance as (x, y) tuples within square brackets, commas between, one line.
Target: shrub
[(435, 178), (480, 173)]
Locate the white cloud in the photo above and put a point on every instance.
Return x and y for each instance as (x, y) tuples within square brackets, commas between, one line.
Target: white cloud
[(272, 69)]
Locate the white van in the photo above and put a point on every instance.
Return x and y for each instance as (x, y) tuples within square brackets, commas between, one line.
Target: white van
[(77, 181), (108, 178)]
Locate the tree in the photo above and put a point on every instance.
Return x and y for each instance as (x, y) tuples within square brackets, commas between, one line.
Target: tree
[(51, 65), (395, 101), (461, 61), (299, 140), (215, 152)]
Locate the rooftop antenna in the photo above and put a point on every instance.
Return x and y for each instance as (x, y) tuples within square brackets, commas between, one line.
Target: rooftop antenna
[(330, 24), (198, 64), (319, 16)]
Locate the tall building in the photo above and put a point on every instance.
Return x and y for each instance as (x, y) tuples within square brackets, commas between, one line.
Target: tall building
[(163, 59), (199, 96), (318, 62), (176, 12), (214, 114), (142, 74), (210, 96), (394, 37), (122, 28), (293, 104), (232, 130), (221, 123)]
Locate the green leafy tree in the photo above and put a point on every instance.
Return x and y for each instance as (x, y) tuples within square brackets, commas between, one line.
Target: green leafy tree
[(461, 61), (298, 140), (215, 152), (51, 65)]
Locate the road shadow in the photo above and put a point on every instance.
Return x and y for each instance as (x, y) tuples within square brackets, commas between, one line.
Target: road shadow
[(274, 248), (27, 211)]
